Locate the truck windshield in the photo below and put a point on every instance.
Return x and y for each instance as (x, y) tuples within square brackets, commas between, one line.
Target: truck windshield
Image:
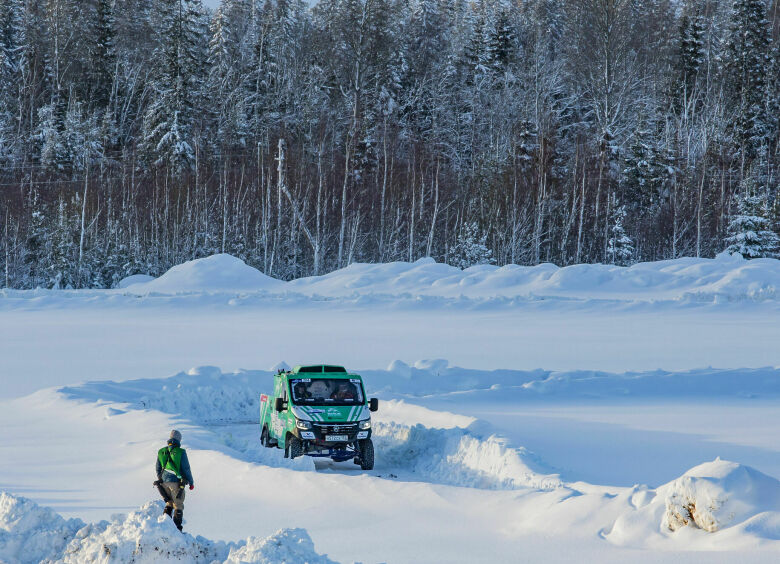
[(326, 391)]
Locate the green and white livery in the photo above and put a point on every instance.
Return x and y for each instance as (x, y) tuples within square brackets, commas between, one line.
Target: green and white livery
[(319, 410)]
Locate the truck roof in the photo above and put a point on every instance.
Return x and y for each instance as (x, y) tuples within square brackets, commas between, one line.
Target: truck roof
[(319, 369)]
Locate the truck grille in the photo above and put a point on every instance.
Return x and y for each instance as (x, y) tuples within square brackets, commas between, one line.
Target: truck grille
[(336, 428)]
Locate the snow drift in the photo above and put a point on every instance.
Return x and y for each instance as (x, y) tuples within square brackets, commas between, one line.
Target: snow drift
[(33, 534), (458, 457), (726, 277), (206, 395), (715, 497)]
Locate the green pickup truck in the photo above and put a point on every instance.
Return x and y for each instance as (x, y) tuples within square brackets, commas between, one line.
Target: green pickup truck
[(319, 411)]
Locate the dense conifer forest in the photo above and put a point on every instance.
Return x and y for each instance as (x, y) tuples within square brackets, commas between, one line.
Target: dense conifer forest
[(138, 134)]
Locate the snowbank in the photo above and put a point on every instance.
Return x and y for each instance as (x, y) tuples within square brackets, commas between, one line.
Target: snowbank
[(29, 533), (458, 457), (217, 273), (724, 278), (543, 385), (714, 497)]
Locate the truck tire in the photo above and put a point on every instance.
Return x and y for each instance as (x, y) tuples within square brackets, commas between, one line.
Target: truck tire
[(265, 440), (366, 454), (296, 447)]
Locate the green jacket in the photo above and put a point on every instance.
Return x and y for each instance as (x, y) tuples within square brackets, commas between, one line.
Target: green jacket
[(172, 461)]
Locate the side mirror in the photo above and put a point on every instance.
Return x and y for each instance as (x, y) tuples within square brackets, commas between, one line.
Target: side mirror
[(373, 404), (280, 405)]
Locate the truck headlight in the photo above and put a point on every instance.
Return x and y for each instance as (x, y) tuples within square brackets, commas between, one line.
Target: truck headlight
[(365, 424), (305, 425)]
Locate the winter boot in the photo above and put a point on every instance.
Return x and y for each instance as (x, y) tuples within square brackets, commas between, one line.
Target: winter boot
[(168, 510), (178, 516)]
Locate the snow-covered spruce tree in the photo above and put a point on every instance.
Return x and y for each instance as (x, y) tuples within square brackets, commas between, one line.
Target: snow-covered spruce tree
[(10, 32), (226, 83), (470, 248), (639, 171), (168, 136), (747, 67), (102, 54), (49, 134), (620, 247), (500, 42), (689, 58), (62, 261), (750, 231), (68, 144), (37, 245)]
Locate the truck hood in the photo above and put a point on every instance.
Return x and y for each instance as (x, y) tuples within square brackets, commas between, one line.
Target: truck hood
[(331, 412)]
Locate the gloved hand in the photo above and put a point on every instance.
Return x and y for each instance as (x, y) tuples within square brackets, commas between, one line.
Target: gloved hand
[(192, 487)]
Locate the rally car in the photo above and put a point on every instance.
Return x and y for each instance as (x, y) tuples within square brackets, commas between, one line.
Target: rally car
[(319, 411)]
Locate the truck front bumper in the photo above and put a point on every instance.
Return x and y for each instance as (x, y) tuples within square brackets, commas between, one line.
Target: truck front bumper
[(322, 434)]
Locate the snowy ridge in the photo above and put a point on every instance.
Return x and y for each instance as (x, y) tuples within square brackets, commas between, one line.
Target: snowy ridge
[(207, 395), (33, 534), (726, 277)]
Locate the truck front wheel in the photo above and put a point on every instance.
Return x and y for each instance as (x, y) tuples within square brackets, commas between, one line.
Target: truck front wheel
[(296, 447), (366, 450), (264, 440)]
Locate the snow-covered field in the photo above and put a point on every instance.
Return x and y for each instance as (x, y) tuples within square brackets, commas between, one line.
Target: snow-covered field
[(596, 412)]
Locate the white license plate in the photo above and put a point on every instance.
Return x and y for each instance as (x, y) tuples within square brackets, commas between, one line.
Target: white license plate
[(336, 438)]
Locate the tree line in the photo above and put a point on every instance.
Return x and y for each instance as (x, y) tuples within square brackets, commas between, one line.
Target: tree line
[(139, 134)]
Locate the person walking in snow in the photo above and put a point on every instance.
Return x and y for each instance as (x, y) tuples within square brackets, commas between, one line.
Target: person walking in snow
[(173, 475)]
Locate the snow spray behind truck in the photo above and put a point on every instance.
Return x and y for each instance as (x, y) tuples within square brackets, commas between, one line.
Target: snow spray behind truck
[(319, 411)]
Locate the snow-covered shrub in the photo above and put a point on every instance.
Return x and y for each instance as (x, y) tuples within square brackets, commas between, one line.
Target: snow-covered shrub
[(620, 247), (750, 230), (471, 248)]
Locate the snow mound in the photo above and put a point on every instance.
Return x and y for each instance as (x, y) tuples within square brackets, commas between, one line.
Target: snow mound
[(29, 533), (217, 273), (287, 545), (716, 494), (33, 534), (142, 536), (718, 498)]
